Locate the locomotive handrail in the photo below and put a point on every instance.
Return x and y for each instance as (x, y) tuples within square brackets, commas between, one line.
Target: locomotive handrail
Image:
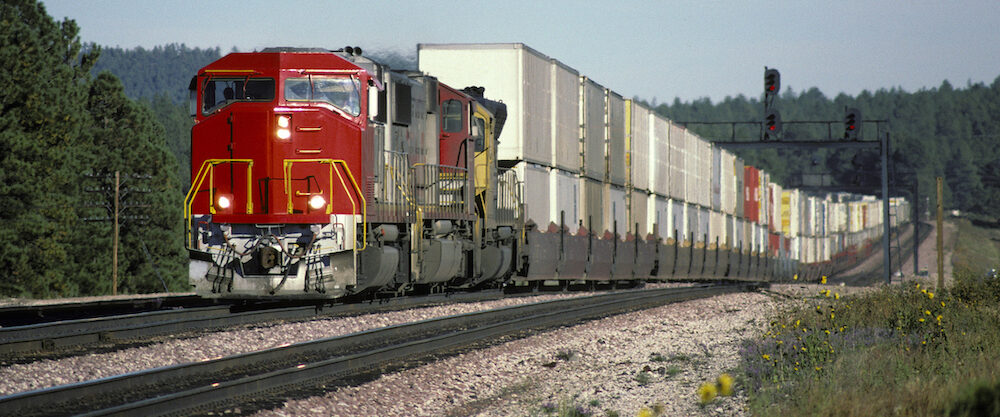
[(329, 206), (208, 169)]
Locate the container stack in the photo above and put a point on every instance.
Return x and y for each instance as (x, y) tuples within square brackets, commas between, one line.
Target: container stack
[(588, 158)]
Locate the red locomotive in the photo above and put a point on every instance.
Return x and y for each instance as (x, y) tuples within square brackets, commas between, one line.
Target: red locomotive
[(319, 174)]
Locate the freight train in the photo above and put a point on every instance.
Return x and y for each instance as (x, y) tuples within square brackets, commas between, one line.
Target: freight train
[(325, 174)]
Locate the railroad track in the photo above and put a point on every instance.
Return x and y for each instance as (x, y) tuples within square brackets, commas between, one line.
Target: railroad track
[(31, 342), (267, 374), (24, 315)]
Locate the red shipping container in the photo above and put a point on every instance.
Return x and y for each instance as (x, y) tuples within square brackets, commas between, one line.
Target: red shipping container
[(773, 243), (751, 194)]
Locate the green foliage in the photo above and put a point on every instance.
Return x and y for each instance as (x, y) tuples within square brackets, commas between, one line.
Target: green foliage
[(942, 131), (162, 70), (56, 124), (901, 350)]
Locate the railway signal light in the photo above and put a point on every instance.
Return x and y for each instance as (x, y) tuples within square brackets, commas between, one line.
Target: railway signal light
[(772, 84), (852, 124), (772, 81), (772, 124)]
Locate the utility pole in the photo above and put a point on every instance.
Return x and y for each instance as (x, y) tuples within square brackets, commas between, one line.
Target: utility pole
[(940, 232), (114, 244), (118, 198)]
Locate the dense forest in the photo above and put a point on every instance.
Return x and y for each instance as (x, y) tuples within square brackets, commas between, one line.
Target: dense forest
[(73, 114), (63, 133)]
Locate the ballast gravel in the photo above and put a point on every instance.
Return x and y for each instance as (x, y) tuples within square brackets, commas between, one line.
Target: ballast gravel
[(652, 358), (46, 373)]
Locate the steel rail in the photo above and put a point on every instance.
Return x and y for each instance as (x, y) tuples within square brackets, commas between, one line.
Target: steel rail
[(17, 342), (211, 383), (23, 315)]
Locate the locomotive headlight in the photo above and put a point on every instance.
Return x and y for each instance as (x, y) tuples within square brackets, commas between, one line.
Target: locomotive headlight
[(224, 202), (284, 127), (317, 202)]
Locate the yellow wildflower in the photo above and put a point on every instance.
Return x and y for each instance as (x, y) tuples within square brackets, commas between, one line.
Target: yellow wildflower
[(836, 296), (766, 357), (725, 385), (930, 295), (942, 304), (918, 285), (707, 392), (927, 312), (832, 316), (939, 317), (798, 321), (826, 331), (645, 412), (795, 277), (921, 320), (823, 280), (818, 368)]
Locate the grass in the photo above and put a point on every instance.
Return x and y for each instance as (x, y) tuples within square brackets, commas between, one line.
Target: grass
[(902, 350), (977, 249)]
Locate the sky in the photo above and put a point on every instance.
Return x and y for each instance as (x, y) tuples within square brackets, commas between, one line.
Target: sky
[(653, 49)]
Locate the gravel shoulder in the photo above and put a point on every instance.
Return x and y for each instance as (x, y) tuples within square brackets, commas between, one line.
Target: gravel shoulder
[(677, 347)]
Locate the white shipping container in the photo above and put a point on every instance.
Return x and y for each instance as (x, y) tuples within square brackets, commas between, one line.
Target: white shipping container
[(728, 186), (639, 149), (592, 205), (564, 200), (678, 216), (678, 158), (717, 179), (616, 209), (535, 179), (638, 215), (717, 228), (615, 135), (565, 117), (774, 206), (592, 129), (512, 73), (660, 216), (659, 149)]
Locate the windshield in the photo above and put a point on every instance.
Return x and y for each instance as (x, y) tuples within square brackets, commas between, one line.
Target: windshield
[(219, 92), (340, 92)]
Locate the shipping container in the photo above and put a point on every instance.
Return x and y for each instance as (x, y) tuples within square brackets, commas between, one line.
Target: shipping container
[(679, 223), (615, 137), (639, 216), (659, 147), (679, 158), (698, 171), (592, 127), (564, 200), (637, 132), (751, 198), (535, 194), (592, 205), (774, 206), (616, 210), (660, 217), (762, 206), (790, 211), (738, 170), (513, 73), (565, 117), (728, 182), (717, 229), (717, 178)]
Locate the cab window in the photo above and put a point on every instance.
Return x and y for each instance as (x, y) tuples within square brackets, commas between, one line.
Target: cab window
[(220, 92), (480, 134), (340, 92), (451, 115)]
